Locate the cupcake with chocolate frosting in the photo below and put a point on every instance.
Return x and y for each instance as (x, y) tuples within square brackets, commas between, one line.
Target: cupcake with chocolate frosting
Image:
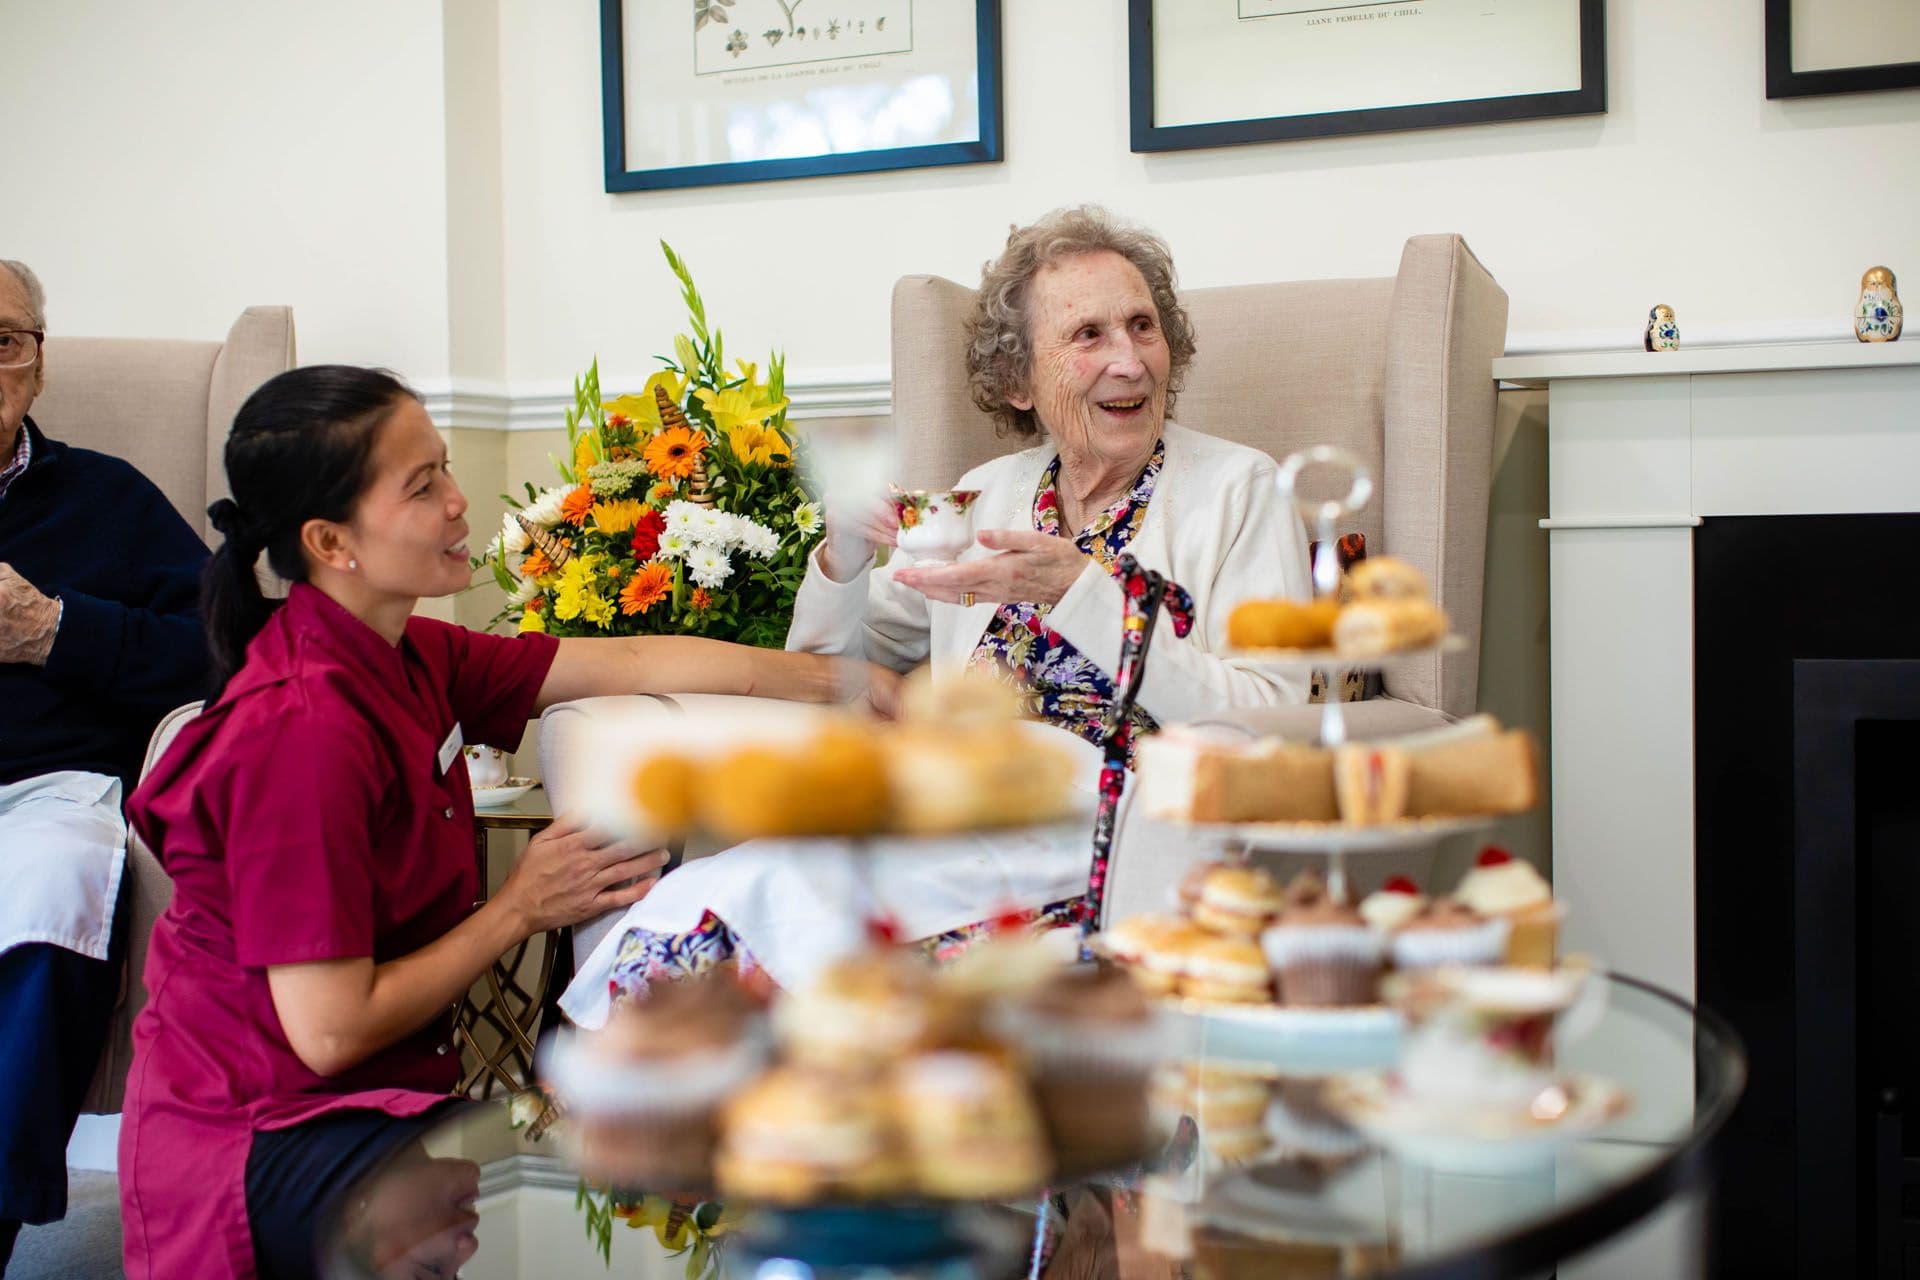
[(1325, 955), (1449, 932)]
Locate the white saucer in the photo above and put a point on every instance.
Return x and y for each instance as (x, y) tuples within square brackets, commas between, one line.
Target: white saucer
[(1293, 1039), (1464, 1140), (506, 793)]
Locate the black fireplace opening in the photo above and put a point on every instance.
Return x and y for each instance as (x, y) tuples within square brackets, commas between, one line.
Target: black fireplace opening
[(1807, 884)]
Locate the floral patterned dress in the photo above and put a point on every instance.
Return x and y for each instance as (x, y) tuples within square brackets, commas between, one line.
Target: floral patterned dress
[(1058, 684)]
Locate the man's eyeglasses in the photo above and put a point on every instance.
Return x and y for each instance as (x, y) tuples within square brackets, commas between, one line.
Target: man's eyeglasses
[(20, 346)]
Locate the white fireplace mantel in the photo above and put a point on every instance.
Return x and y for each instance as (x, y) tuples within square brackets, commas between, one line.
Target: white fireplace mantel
[(1641, 448)]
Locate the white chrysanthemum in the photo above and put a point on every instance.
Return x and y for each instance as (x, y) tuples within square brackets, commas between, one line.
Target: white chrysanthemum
[(526, 591), (513, 537), (755, 538), (681, 516), (710, 567), (544, 510), (806, 518), (674, 546), (711, 528)]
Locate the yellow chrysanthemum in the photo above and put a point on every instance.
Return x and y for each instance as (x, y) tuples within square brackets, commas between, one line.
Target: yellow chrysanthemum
[(532, 621), (739, 405), (761, 446), (618, 516), (578, 594), (641, 408)]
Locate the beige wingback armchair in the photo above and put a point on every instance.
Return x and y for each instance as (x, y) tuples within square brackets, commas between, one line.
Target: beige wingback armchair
[(1395, 369), (165, 406)]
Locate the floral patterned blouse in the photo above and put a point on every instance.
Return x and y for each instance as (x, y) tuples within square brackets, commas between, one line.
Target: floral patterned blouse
[(1058, 683)]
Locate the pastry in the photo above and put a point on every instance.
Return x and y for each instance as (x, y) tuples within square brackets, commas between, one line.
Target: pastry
[(1449, 932), (1165, 958), (1093, 1040), (663, 787), (644, 1090), (797, 1135), (1304, 1129), (969, 1126), (833, 784), (1385, 578), (1193, 775), (961, 777), (1228, 969), (1392, 905), (1324, 955), (865, 1010), (1370, 627), (1282, 624), (1187, 893), (1306, 889), (1237, 900), (1372, 783), (1484, 771), (1501, 885)]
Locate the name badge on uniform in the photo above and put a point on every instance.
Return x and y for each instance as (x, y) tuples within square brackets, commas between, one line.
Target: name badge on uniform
[(450, 749)]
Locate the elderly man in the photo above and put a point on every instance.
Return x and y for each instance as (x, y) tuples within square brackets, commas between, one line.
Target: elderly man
[(99, 636)]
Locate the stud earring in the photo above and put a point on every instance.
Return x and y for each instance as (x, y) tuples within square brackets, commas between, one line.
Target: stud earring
[(353, 564)]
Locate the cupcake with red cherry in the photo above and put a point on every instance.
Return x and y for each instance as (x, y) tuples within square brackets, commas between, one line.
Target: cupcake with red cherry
[(1392, 905), (1501, 886)]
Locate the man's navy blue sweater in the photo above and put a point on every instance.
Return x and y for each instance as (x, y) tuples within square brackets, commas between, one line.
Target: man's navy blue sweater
[(93, 531)]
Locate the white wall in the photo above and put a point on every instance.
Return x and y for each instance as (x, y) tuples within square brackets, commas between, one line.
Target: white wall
[(172, 163), (1693, 190), (420, 179)]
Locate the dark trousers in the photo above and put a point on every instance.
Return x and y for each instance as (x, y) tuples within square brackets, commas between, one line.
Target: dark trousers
[(298, 1179), (56, 1007)]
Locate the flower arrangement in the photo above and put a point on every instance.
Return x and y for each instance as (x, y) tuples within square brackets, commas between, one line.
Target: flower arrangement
[(685, 1228), (679, 510)]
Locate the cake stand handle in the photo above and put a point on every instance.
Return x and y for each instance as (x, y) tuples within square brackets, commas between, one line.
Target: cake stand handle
[(1146, 594)]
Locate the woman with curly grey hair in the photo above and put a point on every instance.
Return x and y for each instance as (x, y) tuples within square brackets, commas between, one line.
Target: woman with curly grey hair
[(1078, 338)]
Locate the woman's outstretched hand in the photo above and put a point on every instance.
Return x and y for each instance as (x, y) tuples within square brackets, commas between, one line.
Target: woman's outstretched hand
[(852, 532), (1032, 568), (569, 873)]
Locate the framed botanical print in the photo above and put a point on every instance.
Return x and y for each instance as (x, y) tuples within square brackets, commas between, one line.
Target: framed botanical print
[(750, 90), (1841, 46), (1229, 71)]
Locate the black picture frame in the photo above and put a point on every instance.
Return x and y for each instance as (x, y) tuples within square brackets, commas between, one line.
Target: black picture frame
[(1784, 82), (1589, 99), (619, 178)]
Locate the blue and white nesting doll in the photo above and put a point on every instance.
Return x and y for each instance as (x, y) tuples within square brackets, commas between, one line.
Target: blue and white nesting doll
[(1663, 334), (1876, 317)]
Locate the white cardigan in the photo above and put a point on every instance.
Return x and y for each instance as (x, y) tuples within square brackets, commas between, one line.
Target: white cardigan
[(1215, 525)]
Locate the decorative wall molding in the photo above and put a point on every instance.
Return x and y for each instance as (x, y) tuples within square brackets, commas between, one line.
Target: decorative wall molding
[(475, 405), (545, 1173), (471, 404)]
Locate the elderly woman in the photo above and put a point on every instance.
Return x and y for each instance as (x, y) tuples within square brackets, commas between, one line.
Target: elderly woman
[(1079, 339)]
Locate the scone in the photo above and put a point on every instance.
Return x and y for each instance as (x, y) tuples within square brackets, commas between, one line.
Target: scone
[(1368, 628), (797, 1135), (969, 1126), (1237, 900), (957, 778), (865, 1010), (1385, 578), (1226, 969), (1282, 624)]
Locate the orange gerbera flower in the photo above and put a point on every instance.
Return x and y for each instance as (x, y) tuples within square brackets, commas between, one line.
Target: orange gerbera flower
[(651, 584), (536, 564), (574, 507), (671, 453), (701, 599)]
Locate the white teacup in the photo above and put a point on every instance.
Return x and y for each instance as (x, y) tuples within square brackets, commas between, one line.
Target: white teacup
[(1484, 1037), (936, 525), (486, 766)]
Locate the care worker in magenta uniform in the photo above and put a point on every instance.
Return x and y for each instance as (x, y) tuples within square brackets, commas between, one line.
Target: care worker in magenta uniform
[(318, 827)]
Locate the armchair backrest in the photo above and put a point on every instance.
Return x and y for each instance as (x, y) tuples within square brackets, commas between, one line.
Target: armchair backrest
[(165, 405), (1397, 370)]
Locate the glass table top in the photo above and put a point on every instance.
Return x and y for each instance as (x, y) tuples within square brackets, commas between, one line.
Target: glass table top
[(476, 1199)]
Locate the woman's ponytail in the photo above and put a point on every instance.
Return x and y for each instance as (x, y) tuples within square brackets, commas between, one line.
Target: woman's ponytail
[(300, 450)]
